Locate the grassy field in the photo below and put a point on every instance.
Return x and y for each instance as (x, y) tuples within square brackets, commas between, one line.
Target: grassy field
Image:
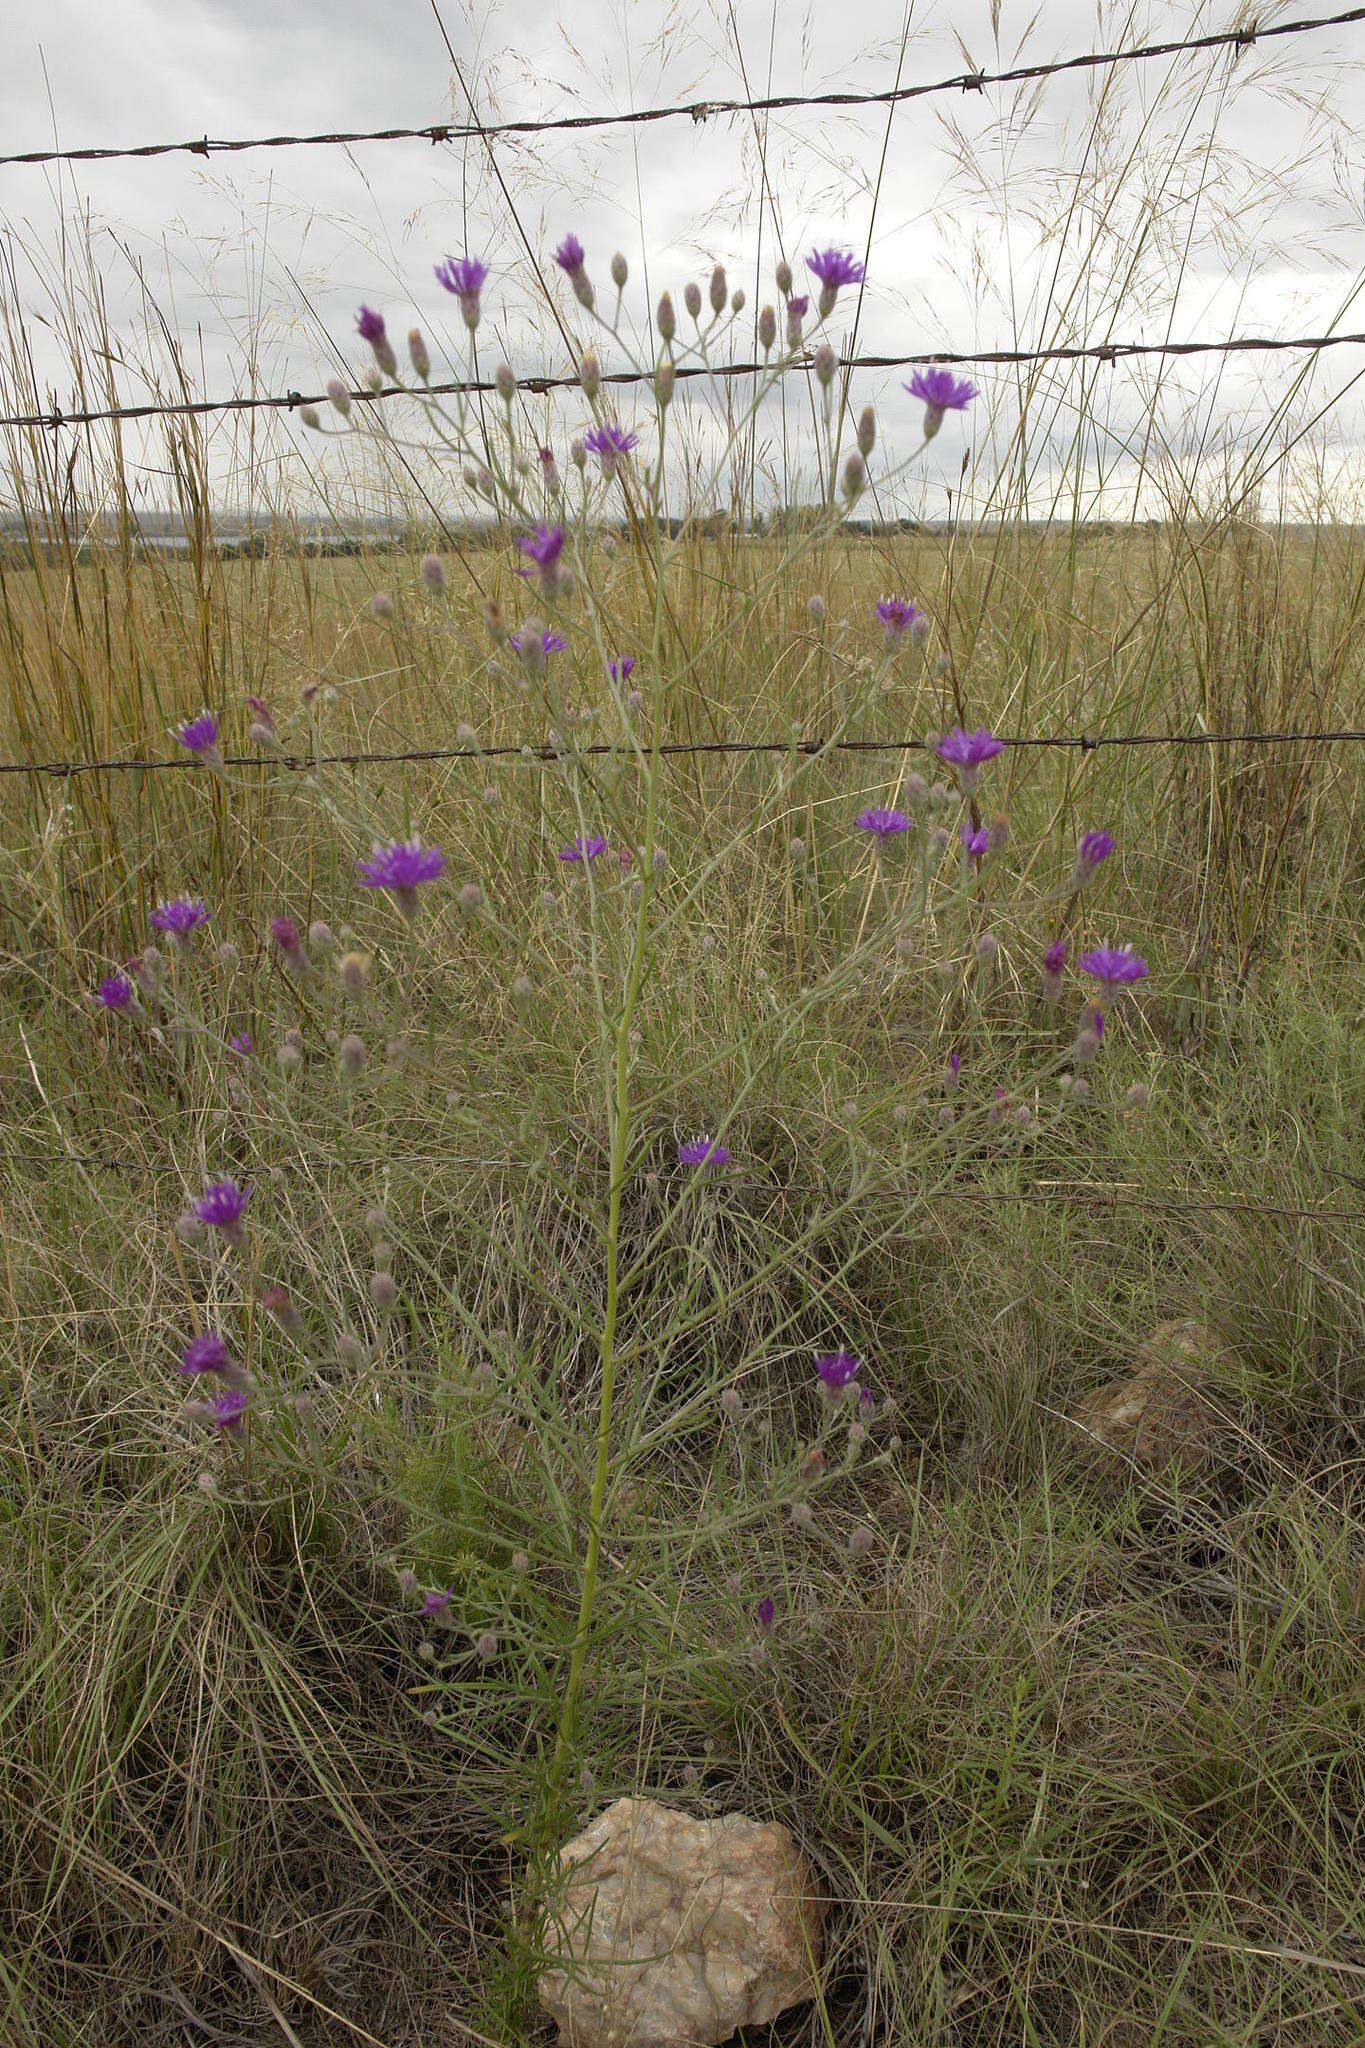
[(1075, 1745)]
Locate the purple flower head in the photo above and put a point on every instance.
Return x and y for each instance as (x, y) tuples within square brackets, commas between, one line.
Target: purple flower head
[(587, 847), (898, 615), (1054, 960), (401, 867), (1114, 966), (240, 1044), (766, 1614), (116, 992), (436, 1603), (881, 822), (285, 933), (834, 268), (797, 309), (181, 916), (976, 843), (939, 391), (205, 1354), (954, 1064), (370, 327), (464, 277), (199, 735), (609, 444), (222, 1206), (550, 641), (570, 255), (621, 667), (261, 714), (968, 749), (837, 1369), (225, 1410), (867, 1400), (702, 1152), (544, 547), (1094, 848)]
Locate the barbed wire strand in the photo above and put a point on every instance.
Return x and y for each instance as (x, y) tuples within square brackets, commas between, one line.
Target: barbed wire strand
[(444, 132), (808, 748), (1086, 1193), (538, 383)]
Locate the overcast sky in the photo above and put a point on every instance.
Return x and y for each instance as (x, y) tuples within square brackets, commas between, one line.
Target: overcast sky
[(1188, 199)]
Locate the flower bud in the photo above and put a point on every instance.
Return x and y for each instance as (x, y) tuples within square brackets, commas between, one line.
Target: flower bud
[(719, 289), (228, 956), (867, 430), (383, 1292), (578, 453), (486, 1646), (320, 940), (471, 899), (290, 1059), (815, 605), (620, 271), (783, 275), (590, 376), (354, 973), (826, 363), (310, 416), (737, 302), (433, 573), (692, 298), (665, 319), (417, 353), (767, 329), (351, 1056), (855, 476), (505, 382), (339, 395), (494, 621)]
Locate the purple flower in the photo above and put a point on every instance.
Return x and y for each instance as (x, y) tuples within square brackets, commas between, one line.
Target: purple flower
[(544, 548), (464, 277), (1114, 966), (702, 1152), (584, 848), (370, 326), (570, 255), (940, 391), (205, 1354), (898, 615), (261, 714), (400, 868), (881, 822), (181, 916), (285, 933), (837, 1369), (834, 268), (954, 1069), (976, 843), (200, 735), (1054, 960), (226, 1410), (240, 1044), (797, 309), (550, 641), (621, 667), (1094, 848), (766, 1613), (222, 1206), (968, 749), (436, 1603), (609, 444), (116, 992), (867, 1400)]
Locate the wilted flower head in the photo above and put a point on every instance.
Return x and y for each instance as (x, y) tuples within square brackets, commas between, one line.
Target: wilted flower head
[(464, 277), (834, 268), (837, 1369), (587, 847), (226, 1410), (370, 327), (1114, 966), (1094, 848), (181, 916), (200, 735), (702, 1152), (116, 992), (609, 443), (939, 391), (207, 1353), (400, 868), (222, 1206), (897, 615), (882, 822)]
